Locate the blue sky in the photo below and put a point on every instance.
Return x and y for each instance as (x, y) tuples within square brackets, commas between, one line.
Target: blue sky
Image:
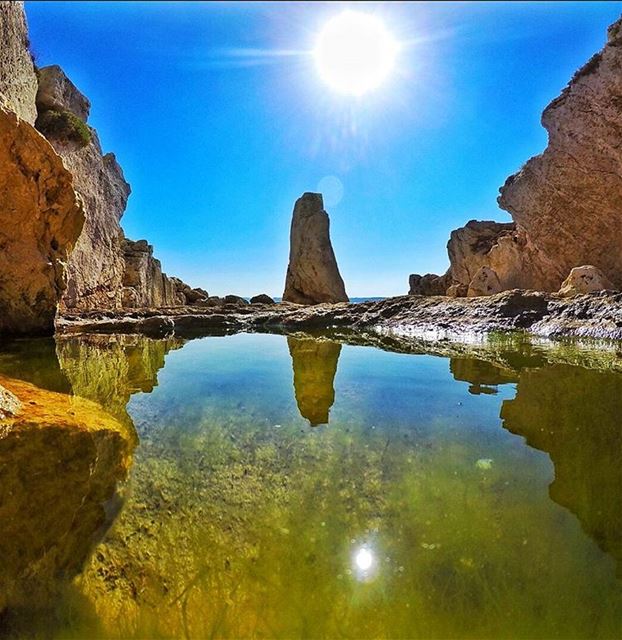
[(220, 121)]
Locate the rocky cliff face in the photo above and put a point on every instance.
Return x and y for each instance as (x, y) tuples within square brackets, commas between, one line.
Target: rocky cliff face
[(40, 221), (61, 202), (96, 266), (566, 203), (40, 214), (18, 81), (568, 200), (312, 273)]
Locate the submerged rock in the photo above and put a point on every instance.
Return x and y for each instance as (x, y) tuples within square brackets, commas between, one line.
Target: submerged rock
[(60, 461), (312, 274)]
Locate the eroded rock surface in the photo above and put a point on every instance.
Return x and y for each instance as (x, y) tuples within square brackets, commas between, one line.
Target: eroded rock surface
[(18, 81), (312, 274), (568, 200), (96, 266), (40, 221), (584, 279)]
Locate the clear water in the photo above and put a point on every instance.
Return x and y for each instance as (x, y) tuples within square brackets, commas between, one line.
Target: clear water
[(291, 487)]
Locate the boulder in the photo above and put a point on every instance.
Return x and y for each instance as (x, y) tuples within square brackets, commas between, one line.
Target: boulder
[(231, 299), (18, 80), (10, 406), (41, 219), (428, 285), (262, 298), (584, 279), (457, 290), (568, 200), (312, 274), (485, 282)]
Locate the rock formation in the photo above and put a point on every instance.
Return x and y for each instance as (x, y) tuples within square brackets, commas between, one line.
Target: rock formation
[(568, 200), (428, 285), (60, 463), (96, 266), (61, 201), (485, 282), (262, 298), (584, 279), (40, 221), (315, 364), (18, 81), (312, 274), (566, 204)]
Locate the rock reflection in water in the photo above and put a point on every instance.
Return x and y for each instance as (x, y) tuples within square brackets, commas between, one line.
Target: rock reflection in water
[(109, 369), (60, 461), (315, 364), (574, 414)]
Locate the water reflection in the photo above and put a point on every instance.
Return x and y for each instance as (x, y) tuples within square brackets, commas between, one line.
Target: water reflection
[(59, 469), (315, 364), (575, 415)]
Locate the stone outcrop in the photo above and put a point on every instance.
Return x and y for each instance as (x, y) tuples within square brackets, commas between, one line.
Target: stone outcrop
[(40, 221), (18, 80), (568, 200), (566, 204), (428, 285), (144, 284), (96, 266), (312, 274), (485, 282), (584, 279), (262, 298)]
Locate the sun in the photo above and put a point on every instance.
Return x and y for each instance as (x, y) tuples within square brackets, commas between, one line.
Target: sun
[(355, 53)]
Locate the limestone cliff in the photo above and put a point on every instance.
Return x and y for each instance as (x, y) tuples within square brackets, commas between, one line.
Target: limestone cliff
[(18, 81), (568, 200), (566, 203), (312, 274), (40, 214), (40, 221)]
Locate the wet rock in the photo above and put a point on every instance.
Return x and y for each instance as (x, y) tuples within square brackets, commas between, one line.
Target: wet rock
[(60, 462), (262, 298), (312, 274), (485, 283), (10, 406), (584, 279)]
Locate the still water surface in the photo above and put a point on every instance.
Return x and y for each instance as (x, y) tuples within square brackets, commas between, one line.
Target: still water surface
[(285, 487)]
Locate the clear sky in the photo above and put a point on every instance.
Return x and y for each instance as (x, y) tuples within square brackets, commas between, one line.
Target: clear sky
[(220, 120)]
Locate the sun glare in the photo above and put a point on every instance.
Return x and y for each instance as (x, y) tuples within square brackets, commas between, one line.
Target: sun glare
[(355, 53)]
